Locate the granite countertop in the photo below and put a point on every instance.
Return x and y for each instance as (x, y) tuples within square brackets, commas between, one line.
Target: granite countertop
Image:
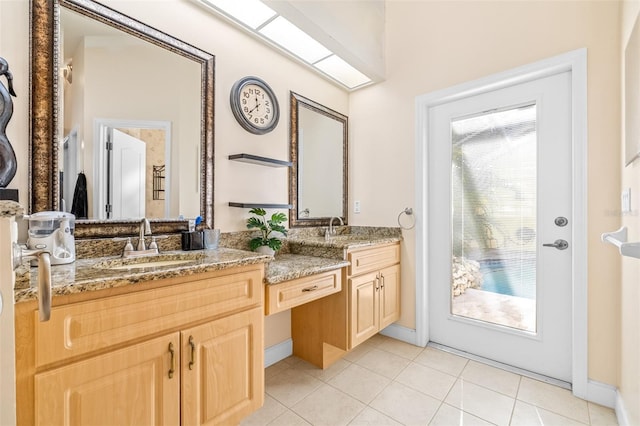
[(308, 255), (285, 267), (312, 254), (96, 274), (337, 246), (348, 241), (83, 275)]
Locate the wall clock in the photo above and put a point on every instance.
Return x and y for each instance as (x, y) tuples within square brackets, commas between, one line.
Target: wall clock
[(254, 105)]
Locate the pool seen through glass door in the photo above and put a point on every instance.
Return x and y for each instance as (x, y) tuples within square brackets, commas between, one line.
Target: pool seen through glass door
[(493, 217)]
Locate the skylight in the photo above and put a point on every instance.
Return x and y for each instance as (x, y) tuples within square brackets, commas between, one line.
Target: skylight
[(251, 13), (294, 40), (342, 71), (262, 21)]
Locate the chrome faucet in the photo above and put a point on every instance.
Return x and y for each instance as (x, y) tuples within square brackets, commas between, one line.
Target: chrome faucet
[(141, 249), (332, 230), (145, 229)]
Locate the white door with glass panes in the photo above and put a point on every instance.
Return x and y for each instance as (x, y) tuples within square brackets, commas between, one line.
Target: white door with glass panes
[(499, 225)]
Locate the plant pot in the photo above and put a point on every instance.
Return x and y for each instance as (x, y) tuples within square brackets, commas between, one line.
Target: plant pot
[(265, 250)]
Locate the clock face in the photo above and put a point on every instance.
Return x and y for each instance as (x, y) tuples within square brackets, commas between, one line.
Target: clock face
[(257, 105), (254, 105)]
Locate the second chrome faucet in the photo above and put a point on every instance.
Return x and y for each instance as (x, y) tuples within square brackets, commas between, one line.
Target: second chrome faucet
[(331, 230)]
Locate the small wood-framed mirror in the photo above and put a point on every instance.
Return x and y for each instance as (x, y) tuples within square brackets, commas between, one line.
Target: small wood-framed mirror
[(318, 179)]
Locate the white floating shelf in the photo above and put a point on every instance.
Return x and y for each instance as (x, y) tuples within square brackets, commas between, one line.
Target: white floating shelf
[(619, 239)]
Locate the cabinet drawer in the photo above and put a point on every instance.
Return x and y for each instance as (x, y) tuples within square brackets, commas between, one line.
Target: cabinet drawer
[(371, 259), (84, 327), (286, 295)]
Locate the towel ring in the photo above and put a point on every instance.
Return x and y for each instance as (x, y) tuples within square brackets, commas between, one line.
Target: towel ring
[(409, 212)]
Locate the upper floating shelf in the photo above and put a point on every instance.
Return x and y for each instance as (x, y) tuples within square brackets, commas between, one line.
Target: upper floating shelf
[(619, 239), (262, 161)]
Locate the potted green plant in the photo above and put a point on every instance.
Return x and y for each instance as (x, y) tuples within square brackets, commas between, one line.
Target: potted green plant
[(266, 243)]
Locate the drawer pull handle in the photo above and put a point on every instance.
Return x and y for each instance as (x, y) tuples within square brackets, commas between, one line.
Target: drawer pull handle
[(315, 287), (193, 352), (382, 281), (173, 360)]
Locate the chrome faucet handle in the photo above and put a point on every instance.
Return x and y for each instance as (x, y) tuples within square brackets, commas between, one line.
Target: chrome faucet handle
[(128, 246)]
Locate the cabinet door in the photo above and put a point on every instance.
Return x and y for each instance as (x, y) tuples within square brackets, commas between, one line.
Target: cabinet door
[(389, 295), (363, 304), (222, 369), (130, 386)]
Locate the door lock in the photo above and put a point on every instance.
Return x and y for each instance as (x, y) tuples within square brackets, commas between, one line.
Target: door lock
[(561, 221), (559, 244)]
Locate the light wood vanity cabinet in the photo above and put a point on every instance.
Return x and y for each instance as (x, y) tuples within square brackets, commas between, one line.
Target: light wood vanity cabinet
[(222, 369), (182, 351), (127, 386), (325, 329), (374, 293)]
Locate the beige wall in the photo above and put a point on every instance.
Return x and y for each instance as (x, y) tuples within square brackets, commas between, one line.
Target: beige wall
[(429, 46), (432, 45), (237, 55), (629, 369)]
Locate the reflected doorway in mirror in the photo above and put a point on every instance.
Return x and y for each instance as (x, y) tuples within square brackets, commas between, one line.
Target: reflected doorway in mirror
[(127, 151)]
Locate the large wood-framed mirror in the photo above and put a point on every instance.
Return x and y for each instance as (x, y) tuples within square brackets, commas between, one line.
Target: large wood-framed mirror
[(50, 72), (318, 179)]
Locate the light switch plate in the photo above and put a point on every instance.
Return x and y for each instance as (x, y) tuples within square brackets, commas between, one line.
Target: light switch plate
[(626, 200), (356, 206)]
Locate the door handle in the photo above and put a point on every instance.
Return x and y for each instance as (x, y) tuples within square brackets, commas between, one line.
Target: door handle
[(559, 244)]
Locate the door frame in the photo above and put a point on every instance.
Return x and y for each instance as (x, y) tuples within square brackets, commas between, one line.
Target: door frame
[(575, 62)]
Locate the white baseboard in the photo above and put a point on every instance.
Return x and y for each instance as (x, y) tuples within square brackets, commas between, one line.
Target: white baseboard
[(621, 411), (601, 393), (278, 352), (399, 332)]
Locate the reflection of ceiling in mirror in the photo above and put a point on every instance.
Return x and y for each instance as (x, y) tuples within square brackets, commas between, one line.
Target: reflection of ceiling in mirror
[(75, 27)]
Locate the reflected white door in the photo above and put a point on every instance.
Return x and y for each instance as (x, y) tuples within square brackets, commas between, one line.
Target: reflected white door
[(128, 176), (499, 236)]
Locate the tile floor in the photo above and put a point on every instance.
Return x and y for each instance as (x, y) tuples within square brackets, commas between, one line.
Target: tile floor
[(387, 382)]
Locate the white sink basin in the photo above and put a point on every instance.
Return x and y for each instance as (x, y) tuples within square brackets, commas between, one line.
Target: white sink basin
[(156, 261), (150, 264)]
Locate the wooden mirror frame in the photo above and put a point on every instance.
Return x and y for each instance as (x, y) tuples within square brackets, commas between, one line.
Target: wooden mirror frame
[(295, 101), (44, 185)]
